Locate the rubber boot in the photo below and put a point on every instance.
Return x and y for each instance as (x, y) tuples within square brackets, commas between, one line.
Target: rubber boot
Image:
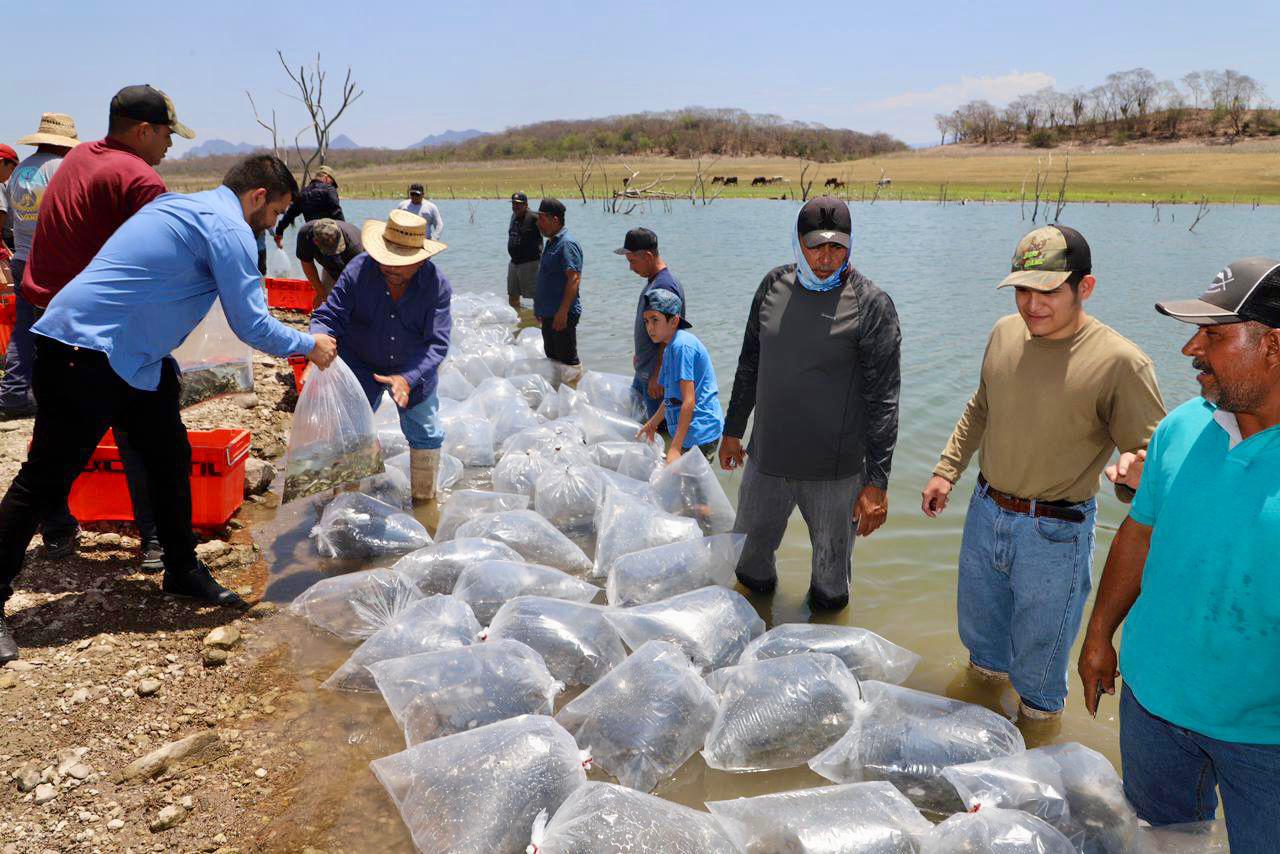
[(424, 466)]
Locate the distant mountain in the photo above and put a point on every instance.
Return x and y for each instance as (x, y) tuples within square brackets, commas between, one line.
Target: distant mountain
[(212, 147), (343, 141), (447, 137)]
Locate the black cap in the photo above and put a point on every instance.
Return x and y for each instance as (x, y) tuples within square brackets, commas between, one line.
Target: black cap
[(551, 207), (1248, 289), (416, 188), (824, 220), (638, 240), (520, 197), (147, 104)]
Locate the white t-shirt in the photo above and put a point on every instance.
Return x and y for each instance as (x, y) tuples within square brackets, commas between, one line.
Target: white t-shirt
[(428, 211)]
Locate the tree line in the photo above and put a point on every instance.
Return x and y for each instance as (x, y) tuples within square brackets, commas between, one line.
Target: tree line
[(1127, 104)]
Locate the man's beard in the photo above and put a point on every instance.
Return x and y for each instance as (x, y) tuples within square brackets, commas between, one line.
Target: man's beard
[(1232, 397)]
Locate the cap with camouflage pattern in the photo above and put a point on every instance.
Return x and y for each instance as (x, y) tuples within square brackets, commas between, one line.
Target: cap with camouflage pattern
[(328, 170), (327, 237), (1046, 257)]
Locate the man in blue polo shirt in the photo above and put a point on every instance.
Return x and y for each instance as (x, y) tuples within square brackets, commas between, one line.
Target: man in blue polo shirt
[(641, 250), (555, 302), (1194, 574)]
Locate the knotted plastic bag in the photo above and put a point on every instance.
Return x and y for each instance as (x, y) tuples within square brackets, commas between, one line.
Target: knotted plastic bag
[(610, 393), (712, 625), (479, 792), (536, 539), (865, 653), (357, 526), (469, 438), (663, 571), (466, 504), (601, 818), (489, 584), (534, 388), (435, 568), (601, 426), (551, 437), (213, 361), (437, 694), (567, 496), (355, 605), (779, 713), (563, 403), (688, 487), (627, 524), (577, 643), (867, 818), (428, 625), (645, 718), (908, 737), (995, 831), (517, 471), (333, 441)]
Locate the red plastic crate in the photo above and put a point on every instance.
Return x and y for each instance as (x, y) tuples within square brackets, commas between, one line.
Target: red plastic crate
[(299, 365), (8, 316), (217, 480), (296, 294)]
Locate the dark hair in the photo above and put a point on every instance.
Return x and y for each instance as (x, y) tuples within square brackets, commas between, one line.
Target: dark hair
[(261, 170), (120, 125), (1076, 277)]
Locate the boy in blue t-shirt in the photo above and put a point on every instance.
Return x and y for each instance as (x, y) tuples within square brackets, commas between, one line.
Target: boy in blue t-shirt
[(692, 396)]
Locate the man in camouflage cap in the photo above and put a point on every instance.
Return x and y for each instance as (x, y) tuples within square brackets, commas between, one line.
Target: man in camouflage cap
[(325, 248), (1059, 392)]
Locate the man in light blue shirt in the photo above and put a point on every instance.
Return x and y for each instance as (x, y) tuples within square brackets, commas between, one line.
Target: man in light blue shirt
[(1194, 574), (102, 359)]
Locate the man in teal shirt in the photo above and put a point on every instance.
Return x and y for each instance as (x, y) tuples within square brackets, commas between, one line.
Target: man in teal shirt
[(1194, 574)]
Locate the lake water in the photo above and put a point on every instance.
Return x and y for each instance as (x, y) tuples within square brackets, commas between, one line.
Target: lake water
[(940, 265)]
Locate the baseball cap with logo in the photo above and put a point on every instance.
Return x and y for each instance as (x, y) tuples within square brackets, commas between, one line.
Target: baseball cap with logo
[(520, 197), (1047, 257), (638, 240), (824, 220), (327, 237), (416, 188), (664, 301), (1248, 289), (147, 104)]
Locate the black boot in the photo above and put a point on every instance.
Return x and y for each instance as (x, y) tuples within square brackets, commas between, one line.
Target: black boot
[(152, 557), (819, 602), (8, 645), (198, 583), (757, 586)]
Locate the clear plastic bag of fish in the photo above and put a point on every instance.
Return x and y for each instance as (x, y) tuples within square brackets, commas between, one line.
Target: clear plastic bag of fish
[(866, 818), (428, 625), (355, 605), (213, 361), (640, 461), (712, 625), (534, 388), (1071, 787), (536, 539), (386, 421), (779, 713), (391, 487), (333, 441), (538, 365), (865, 653), (437, 694), (567, 496), (489, 584), (599, 425), (449, 472), (688, 487), (546, 439), (518, 471), (435, 568), (470, 439), (664, 571), (472, 366), (279, 266), (560, 405), (627, 524), (577, 643), (601, 818), (493, 395), (530, 340), (452, 384), (908, 737), (479, 792), (609, 454), (354, 525), (498, 356), (995, 831), (610, 393), (513, 418), (466, 504), (638, 489), (645, 718)]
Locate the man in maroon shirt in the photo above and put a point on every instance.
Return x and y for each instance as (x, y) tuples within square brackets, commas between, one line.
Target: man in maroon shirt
[(98, 186)]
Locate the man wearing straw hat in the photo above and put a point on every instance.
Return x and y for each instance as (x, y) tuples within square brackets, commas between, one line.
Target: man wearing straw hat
[(389, 312), (55, 137)]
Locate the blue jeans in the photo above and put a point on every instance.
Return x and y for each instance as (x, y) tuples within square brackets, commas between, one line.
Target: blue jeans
[(1170, 774), (421, 423), (640, 391), (1021, 593), (15, 386)]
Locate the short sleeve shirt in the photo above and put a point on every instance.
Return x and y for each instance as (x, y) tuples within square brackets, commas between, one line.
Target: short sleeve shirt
[(26, 189), (646, 351), (560, 255), (333, 264), (687, 359)]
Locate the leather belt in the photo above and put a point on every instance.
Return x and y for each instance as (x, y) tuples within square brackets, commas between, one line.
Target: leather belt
[(1027, 507)]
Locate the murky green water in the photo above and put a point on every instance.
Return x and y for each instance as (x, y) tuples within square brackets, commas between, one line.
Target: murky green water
[(941, 265)]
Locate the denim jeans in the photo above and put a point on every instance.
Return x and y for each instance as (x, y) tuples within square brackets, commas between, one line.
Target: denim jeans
[(1021, 593), (1170, 774), (420, 424), (640, 395), (15, 386)]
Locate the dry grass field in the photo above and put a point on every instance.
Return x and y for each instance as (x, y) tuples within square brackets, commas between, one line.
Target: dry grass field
[(1245, 173)]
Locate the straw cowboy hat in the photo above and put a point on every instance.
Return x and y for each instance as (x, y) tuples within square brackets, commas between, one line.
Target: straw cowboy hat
[(55, 129), (400, 241)]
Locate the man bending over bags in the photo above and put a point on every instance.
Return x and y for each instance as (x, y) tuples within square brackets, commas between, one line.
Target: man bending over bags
[(389, 311)]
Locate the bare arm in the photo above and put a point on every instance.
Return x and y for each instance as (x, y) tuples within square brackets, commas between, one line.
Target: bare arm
[(1121, 583), (687, 403), (572, 278)]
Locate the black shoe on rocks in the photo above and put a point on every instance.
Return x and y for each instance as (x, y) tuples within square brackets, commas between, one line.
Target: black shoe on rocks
[(8, 645), (198, 583), (12, 413), (152, 557), (63, 547), (757, 586), (818, 602)]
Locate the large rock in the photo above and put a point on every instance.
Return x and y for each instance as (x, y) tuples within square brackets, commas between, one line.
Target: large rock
[(198, 749), (170, 816), (223, 637), (258, 475)]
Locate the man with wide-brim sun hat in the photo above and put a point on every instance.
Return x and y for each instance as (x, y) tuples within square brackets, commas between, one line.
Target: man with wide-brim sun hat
[(389, 311)]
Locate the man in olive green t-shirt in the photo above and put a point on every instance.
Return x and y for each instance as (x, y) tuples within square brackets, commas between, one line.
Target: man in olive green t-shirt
[(1058, 394)]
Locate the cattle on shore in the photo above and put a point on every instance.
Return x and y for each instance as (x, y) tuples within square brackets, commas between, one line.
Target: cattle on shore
[(834, 183), (884, 182), (717, 179), (759, 181), (730, 179)]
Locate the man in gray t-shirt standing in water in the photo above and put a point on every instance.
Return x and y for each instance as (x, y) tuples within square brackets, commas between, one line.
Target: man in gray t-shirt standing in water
[(824, 388)]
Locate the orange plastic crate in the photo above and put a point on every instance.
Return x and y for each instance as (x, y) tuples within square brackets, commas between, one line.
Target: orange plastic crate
[(8, 317), (299, 365), (296, 294), (217, 480)]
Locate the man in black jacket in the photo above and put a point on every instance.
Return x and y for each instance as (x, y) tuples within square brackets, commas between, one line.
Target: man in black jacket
[(524, 245), (318, 201), (824, 387)]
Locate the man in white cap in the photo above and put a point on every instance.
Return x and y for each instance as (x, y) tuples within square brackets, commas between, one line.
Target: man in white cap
[(389, 312)]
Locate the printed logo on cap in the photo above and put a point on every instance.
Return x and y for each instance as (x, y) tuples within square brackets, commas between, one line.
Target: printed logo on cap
[(1221, 281)]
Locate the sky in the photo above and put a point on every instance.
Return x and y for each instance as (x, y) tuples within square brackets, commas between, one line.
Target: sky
[(427, 67)]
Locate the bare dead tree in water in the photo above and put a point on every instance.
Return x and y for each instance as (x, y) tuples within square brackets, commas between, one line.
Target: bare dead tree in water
[(269, 128), (310, 84), (1022, 205), (582, 174), (806, 186), (1201, 212), (879, 186), (1062, 190), (699, 186)]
